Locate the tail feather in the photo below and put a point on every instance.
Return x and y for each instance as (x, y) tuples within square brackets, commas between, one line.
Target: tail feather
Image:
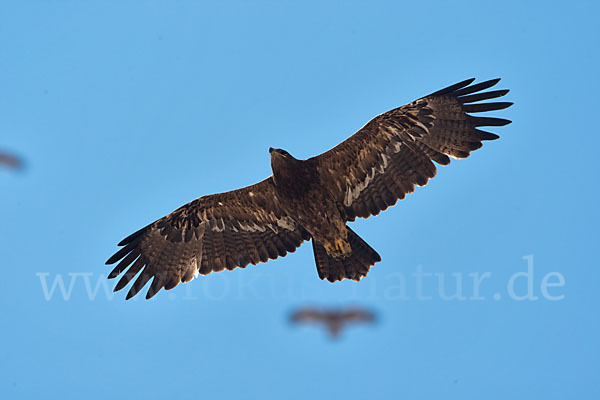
[(352, 267)]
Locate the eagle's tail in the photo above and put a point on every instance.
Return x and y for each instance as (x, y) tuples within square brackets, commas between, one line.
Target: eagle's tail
[(354, 266)]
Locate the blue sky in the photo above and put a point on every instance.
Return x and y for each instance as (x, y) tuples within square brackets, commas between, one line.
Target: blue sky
[(126, 110)]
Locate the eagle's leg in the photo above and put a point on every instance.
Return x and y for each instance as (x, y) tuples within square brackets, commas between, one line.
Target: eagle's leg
[(339, 248)]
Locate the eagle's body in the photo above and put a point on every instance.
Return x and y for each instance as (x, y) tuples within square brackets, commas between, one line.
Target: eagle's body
[(304, 198), (313, 198)]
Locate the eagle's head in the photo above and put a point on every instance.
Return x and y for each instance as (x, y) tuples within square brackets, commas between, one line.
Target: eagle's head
[(284, 165), (279, 153), (281, 157)]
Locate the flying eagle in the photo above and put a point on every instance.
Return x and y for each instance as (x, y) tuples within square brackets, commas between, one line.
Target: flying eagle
[(10, 160), (313, 198), (333, 320)]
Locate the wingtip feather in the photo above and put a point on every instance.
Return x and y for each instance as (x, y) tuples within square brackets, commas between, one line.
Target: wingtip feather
[(452, 88), (119, 254)]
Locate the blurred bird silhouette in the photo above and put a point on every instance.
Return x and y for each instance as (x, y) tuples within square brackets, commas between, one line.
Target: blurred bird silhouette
[(10, 161), (333, 320)]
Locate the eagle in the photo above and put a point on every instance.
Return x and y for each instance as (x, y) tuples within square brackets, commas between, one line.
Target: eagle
[(334, 320), (10, 160), (313, 199)]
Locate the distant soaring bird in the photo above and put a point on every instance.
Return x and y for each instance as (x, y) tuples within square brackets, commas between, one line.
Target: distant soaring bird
[(333, 320), (10, 160), (313, 198)]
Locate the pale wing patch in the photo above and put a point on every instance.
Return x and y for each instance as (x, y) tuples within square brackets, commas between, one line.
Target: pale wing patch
[(194, 265), (251, 226), (287, 223), (217, 224), (353, 190)]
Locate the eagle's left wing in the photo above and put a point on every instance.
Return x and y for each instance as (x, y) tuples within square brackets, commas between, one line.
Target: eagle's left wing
[(393, 152), (210, 234)]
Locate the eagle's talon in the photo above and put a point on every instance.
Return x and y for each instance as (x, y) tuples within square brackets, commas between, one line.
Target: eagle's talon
[(339, 248)]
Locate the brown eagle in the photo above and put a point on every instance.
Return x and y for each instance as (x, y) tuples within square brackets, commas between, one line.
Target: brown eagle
[(313, 198), (10, 160), (333, 320)]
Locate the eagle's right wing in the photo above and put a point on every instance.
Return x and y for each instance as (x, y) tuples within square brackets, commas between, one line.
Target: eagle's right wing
[(210, 234), (393, 152), (358, 315)]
